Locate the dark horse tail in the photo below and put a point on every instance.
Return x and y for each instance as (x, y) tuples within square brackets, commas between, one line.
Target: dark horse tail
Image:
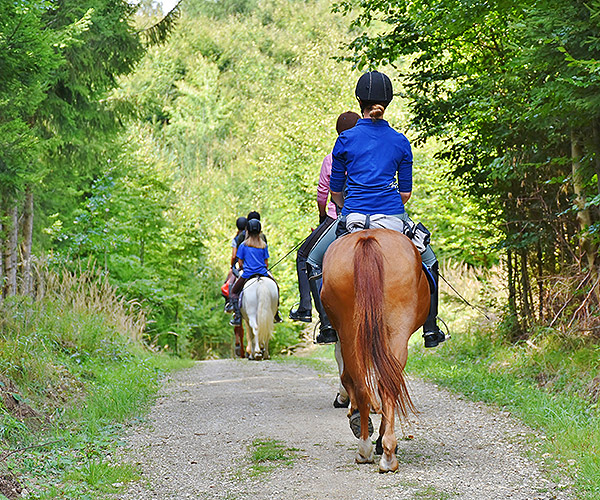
[(383, 371)]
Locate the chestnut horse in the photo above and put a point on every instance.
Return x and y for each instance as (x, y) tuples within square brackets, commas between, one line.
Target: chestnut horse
[(376, 295)]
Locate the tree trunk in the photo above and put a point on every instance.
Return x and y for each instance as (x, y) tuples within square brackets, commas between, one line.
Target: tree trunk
[(526, 289), (142, 249), (540, 281), (584, 216), (596, 135), (10, 252), (27, 243), (512, 297)]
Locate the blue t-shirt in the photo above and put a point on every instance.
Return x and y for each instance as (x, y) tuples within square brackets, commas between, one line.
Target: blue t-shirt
[(376, 163), (254, 260)]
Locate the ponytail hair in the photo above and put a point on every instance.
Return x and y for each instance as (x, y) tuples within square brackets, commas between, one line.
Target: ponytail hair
[(376, 112), (255, 240)]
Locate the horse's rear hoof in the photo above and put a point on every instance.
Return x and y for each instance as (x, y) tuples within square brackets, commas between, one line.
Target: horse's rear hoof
[(355, 424), (365, 452)]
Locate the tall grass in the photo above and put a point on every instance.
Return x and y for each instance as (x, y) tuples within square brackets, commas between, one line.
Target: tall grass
[(73, 356)]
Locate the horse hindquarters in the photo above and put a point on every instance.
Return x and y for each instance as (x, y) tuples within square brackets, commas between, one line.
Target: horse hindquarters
[(260, 306), (375, 308), (267, 306)]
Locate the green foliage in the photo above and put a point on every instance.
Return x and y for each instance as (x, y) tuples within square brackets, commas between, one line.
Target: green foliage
[(27, 61), (73, 362)]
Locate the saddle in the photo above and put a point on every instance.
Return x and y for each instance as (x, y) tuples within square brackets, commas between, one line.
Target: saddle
[(417, 233)]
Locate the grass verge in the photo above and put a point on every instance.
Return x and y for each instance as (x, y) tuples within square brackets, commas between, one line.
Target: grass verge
[(497, 373), (70, 379)]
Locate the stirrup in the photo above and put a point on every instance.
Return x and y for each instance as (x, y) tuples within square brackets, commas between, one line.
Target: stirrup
[(326, 335), (316, 273), (433, 339)]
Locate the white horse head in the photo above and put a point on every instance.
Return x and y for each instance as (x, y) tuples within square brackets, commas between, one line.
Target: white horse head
[(259, 305)]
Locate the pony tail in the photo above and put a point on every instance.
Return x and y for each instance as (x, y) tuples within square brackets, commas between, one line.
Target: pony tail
[(372, 336), (264, 313)]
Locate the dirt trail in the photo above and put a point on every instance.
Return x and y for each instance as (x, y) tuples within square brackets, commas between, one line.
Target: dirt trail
[(196, 444)]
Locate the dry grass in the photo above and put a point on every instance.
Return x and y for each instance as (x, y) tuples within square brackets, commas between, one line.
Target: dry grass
[(88, 289), (484, 292)]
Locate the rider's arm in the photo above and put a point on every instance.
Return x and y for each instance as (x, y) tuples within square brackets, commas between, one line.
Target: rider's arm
[(338, 172), (337, 198), (405, 196), (233, 255), (323, 187)]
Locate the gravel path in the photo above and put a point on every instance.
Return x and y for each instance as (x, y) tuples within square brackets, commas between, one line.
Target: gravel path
[(199, 438)]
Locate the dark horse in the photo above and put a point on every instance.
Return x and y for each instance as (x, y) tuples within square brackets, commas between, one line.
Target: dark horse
[(376, 295)]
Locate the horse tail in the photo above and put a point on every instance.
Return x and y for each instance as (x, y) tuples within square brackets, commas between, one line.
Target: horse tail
[(264, 313), (382, 370)]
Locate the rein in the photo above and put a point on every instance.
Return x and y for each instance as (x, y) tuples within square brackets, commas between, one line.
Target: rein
[(287, 254), (477, 308)]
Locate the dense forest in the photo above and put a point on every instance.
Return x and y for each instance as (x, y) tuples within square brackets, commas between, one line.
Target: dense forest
[(131, 139)]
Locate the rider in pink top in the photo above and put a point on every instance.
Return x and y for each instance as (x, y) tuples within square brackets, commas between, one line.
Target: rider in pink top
[(325, 209), (327, 216)]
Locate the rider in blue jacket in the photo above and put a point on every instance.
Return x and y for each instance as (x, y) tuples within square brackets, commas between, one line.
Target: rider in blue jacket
[(371, 174)]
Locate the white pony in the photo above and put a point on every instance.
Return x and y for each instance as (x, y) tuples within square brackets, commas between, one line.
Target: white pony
[(259, 305)]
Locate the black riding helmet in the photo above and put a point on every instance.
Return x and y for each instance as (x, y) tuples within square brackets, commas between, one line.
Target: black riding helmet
[(374, 88), (253, 226), (241, 223)]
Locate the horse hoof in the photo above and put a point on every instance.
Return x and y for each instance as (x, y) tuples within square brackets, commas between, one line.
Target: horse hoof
[(338, 402), (388, 465), (379, 447), (238, 350), (355, 424), (365, 452)]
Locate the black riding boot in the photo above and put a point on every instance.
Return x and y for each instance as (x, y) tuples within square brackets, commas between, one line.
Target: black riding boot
[(327, 334), (431, 332), (237, 314)]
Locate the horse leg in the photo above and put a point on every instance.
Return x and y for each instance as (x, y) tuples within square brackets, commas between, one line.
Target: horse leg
[(239, 341), (256, 351), (365, 447), (389, 442), (250, 340), (342, 399)]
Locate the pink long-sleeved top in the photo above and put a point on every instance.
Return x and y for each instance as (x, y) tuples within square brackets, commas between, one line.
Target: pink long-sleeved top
[(323, 188)]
